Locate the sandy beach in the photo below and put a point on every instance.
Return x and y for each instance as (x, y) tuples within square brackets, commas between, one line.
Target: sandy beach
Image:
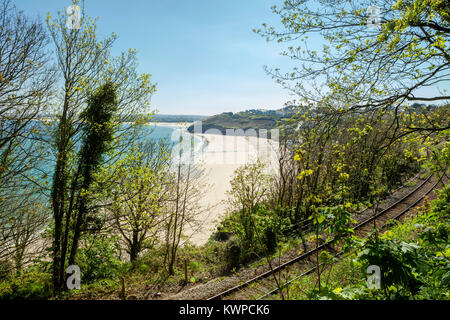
[(221, 156)]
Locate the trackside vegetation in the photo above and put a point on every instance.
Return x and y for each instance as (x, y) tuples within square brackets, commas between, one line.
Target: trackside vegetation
[(82, 186)]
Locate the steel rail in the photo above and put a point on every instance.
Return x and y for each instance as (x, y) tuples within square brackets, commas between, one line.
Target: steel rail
[(312, 251)]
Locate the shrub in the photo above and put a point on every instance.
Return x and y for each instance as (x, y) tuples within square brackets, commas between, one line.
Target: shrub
[(418, 269), (98, 259), (6, 269), (399, 263), (232, 254), (270, 240), (153, 258), (255, 234), (144, 268), (32, 285)]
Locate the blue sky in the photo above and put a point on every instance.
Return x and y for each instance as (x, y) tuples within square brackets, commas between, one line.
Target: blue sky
[(202, 54)]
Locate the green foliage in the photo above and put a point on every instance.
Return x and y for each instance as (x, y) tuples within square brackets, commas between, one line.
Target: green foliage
[(256, 225), (98, 258), (138, 186), (29, 285), (6, 269), (440, 156), (334, 221), (153, 258), (270, 240), (256, 234), (98, 130), (362, 68), (420, 268), (144, 268), (414, 260), (232, 254), (195, 266), (98, 135), (85, 64)]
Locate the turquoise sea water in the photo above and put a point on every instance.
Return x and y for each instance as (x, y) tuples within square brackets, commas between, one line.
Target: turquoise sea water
[(36, 182), (170, 133)]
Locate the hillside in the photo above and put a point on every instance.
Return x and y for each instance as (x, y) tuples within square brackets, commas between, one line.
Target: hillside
[(249, 119)]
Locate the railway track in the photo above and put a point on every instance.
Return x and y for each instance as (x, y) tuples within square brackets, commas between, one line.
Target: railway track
[(262, 285)]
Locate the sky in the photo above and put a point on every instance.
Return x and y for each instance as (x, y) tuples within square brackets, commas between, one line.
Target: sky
[(202, 54)]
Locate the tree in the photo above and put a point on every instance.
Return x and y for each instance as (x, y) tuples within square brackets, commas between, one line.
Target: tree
[(362, 69), (84, 65), (26, 78), (98, 134), (26, 83), (250, 191), (354, 126), (139, 195), (249, 188)]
